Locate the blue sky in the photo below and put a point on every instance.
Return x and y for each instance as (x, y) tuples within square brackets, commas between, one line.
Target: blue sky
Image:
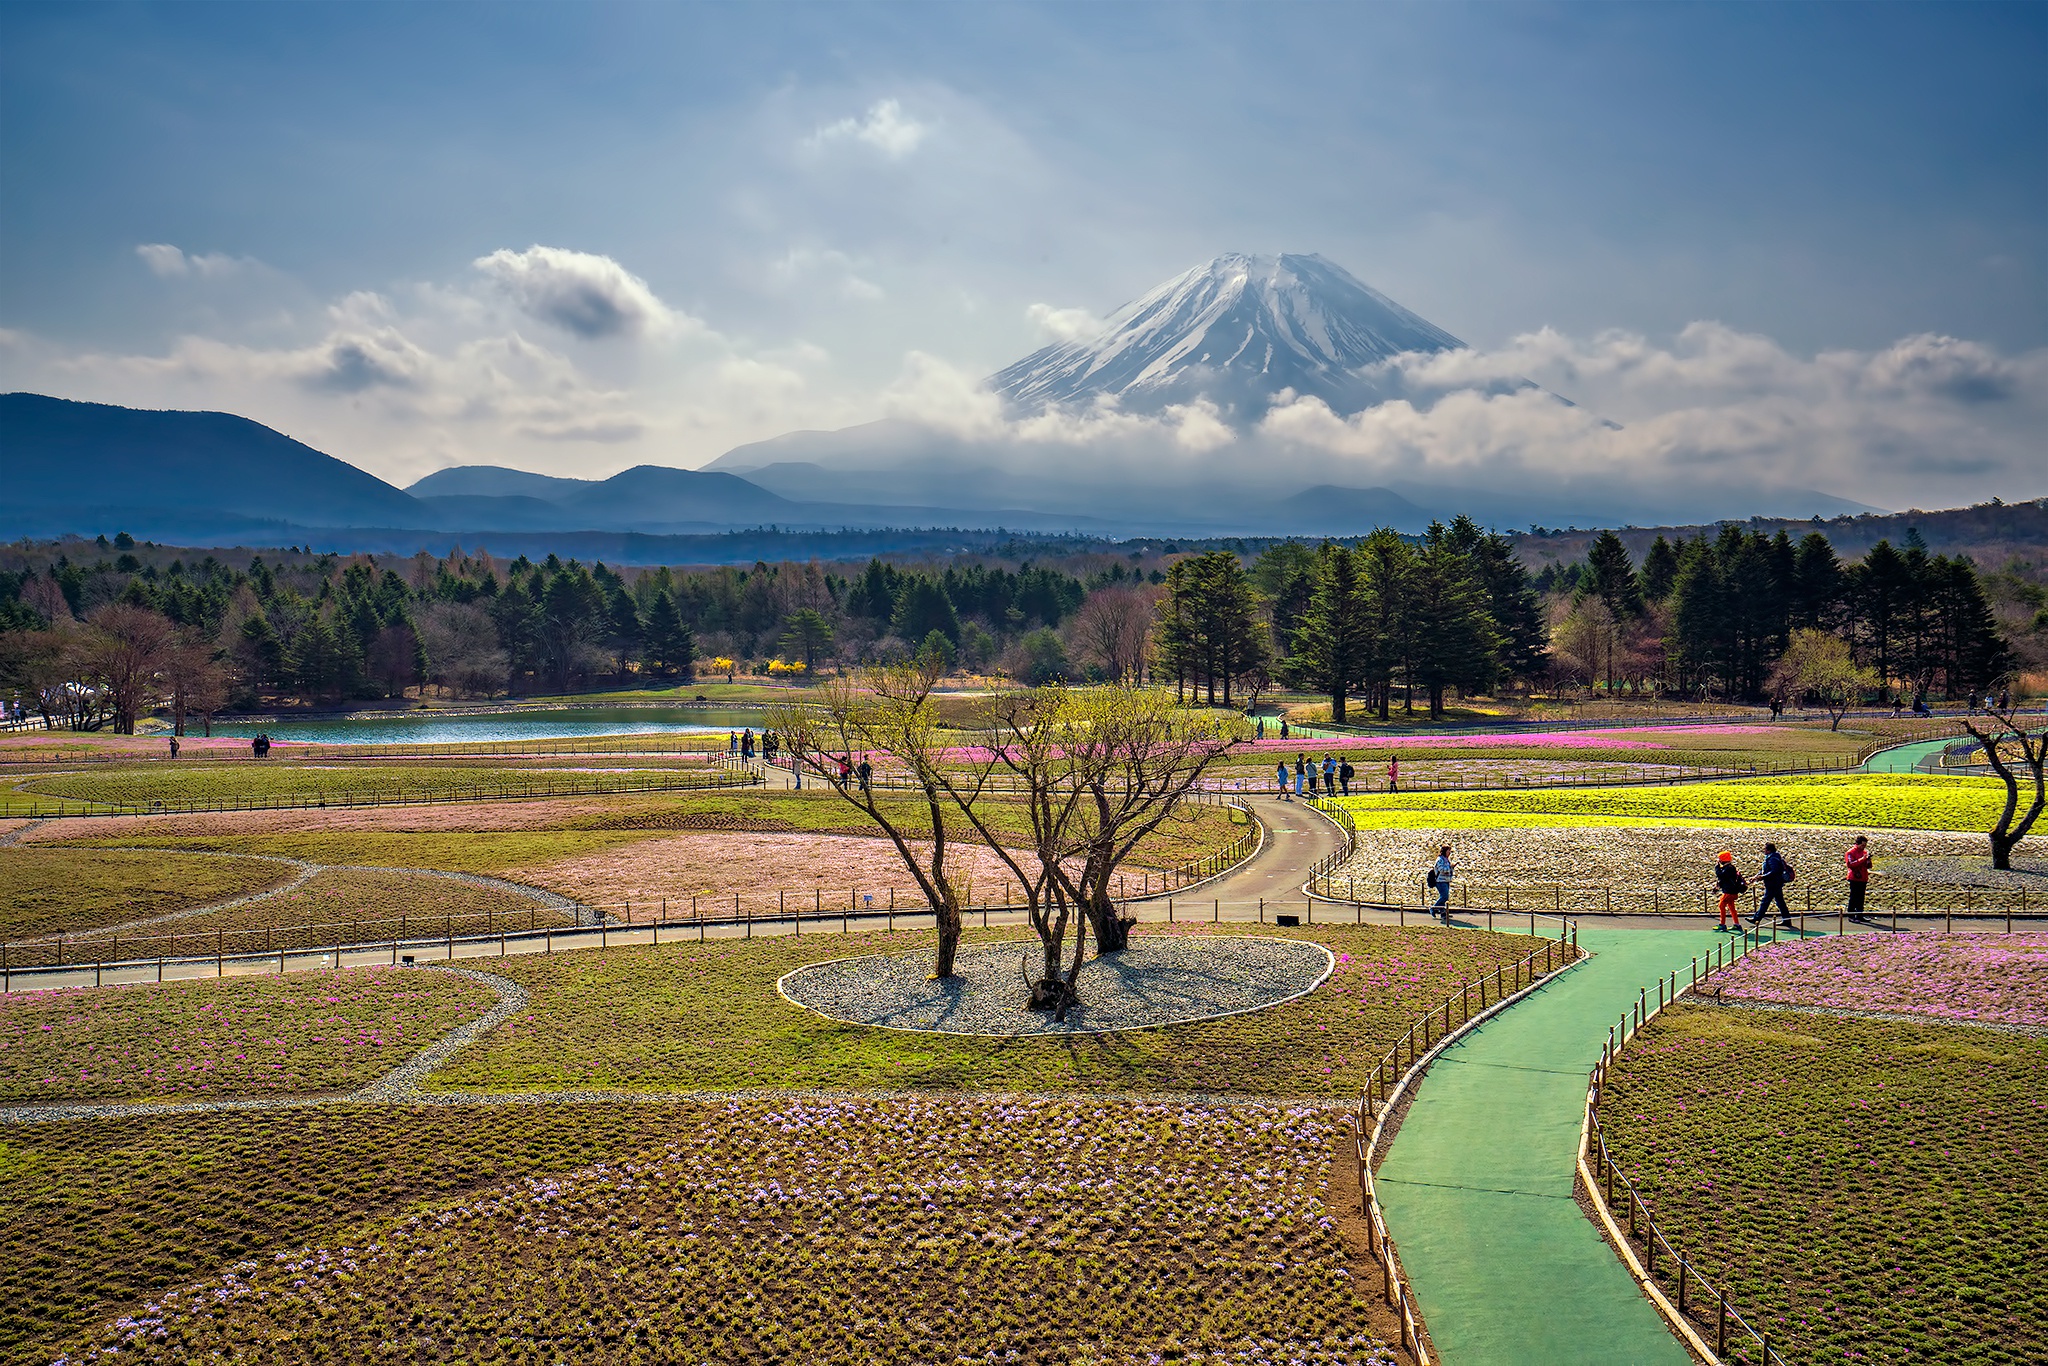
[(812, 208)]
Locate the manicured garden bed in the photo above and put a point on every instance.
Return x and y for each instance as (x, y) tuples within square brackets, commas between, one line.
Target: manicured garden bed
[(707, 1016), (213, 784), (334, 906), (1632, 859), (1878, 801), (1968, 978), (52, 891), (1867, 1190), (230, 1037), (849, 1230)]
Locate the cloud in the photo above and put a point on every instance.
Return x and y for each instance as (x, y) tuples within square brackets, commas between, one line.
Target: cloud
[(592, 296), (885, 127), (1064, 324), (167, 262), (833, 271)]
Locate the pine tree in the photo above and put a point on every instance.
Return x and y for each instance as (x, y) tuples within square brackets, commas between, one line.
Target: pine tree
[(1332, 643), (1452, 631), (1659, 571)]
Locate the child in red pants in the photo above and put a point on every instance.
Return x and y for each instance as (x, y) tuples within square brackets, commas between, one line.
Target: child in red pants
[(1728, 878)]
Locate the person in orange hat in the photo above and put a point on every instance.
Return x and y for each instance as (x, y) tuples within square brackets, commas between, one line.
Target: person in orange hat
[(1729, 879)]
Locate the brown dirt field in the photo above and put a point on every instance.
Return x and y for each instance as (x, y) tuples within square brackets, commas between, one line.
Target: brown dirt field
[(757, 866)]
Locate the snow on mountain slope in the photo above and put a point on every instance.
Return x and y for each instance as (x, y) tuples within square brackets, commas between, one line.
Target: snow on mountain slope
[(1236, 330)]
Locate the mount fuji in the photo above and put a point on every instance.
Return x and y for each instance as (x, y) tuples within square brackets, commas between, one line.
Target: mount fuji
[(1238, 331)]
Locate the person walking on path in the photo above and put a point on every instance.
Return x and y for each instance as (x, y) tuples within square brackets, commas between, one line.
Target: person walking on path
[(1393, 773), (1857, 861), (747, 745), (732, 742), (1283, 728), (1300, 772), (1345, 774), (1262, 728), (866, 771), (1283, 780), (174, 746), (1311, 782), (1329, 775), (1440, 878), (1776, 872), (1729, 879)]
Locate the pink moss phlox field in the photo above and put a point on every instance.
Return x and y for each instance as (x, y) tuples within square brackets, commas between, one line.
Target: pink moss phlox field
[(796, 1231), (1985, 978), (246, 1036)]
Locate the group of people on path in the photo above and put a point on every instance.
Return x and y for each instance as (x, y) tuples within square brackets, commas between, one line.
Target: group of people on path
[(1335, 773), (1776, 873)]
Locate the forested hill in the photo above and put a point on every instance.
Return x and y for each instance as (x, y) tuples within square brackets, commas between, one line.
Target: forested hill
[(1989, 533)]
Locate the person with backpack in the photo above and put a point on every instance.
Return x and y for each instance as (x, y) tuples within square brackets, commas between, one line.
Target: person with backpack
[(1857, 860), (1776, 872), (1345, 773), (1440, 878), (1732, 884)]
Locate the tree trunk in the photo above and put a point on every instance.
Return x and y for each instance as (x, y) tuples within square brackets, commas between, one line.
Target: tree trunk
[(1337, 707), (948, 918), (2001, 849)]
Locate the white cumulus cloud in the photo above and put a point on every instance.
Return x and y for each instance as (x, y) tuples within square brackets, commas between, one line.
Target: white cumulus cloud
[(592, 296), (1064, 324), (885, 127), (167, 262)]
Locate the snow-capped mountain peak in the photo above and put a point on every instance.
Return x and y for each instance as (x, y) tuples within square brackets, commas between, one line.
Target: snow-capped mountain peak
[(1236, 330)]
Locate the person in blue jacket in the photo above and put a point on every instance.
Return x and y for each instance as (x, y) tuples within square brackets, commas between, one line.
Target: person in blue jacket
[(1776, 872)]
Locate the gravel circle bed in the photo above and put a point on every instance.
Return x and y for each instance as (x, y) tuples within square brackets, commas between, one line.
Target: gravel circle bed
[(1154, 982)]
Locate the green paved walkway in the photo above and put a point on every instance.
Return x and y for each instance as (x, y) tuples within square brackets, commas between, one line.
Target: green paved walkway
[(1478, 1185), (1905, 758)]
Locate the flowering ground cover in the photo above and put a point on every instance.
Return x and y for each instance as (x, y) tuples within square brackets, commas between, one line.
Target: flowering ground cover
[(334, 906), (888, 1230), (1630, 860), (1868, 1190), (51, 891), (707, 1016), (1880, 801), (1979, 978), (230, 1037), (271, 782), (769, 873)]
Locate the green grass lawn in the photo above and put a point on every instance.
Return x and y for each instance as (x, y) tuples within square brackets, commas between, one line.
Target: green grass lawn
[(65, 890), (334, 906), (800, 1230), (210, 784), (1867, 1190), (1877, 801), (231, 1037), (632, 818), (696, 1017)]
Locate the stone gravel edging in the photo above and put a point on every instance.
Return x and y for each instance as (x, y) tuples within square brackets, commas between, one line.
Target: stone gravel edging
[(403, 1081), (984, 1005)]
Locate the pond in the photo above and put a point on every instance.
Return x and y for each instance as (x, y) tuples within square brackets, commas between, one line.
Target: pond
[(445, 728)]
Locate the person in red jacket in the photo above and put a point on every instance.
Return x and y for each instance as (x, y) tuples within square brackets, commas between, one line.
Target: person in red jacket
[(1857, 860)]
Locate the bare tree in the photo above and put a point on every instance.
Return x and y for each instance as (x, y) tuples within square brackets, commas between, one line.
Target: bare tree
[(198, 681), (2002, 729), (1113, 630), (1030, 737), (1141, 760), (125, 650), (889, 711), (463, 654)]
